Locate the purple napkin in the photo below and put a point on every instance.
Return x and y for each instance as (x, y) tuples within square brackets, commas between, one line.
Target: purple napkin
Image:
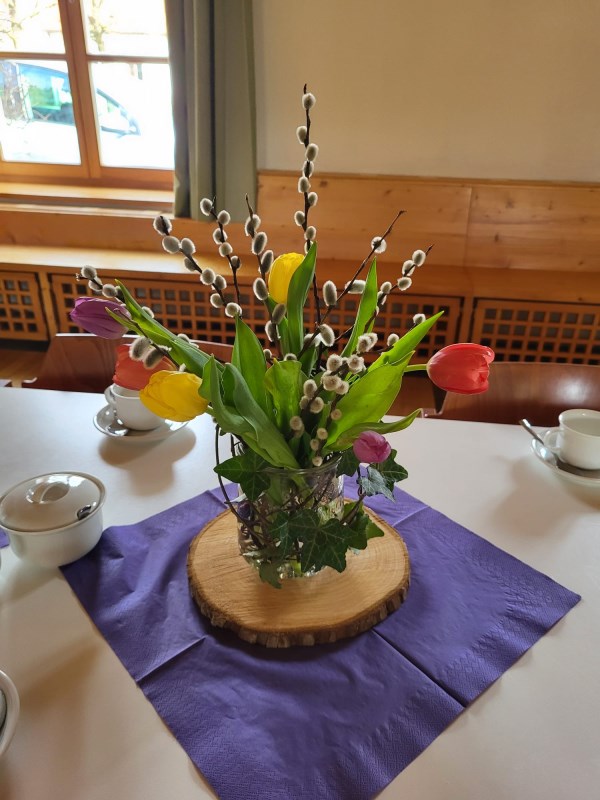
[(334, 722), (3, 538)]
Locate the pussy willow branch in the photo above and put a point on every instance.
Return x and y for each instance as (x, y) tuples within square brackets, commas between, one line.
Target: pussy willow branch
[(349, 285), (228, 257), (306, 210), (345, 291), (253, 233)]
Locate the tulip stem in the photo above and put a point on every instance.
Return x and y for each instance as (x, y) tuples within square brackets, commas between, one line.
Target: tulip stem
[(415, 368)]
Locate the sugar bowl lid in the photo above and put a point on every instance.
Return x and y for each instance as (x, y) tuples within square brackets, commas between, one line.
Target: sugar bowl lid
[(50, 502)]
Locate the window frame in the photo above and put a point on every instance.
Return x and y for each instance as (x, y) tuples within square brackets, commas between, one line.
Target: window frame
[(90, 171)]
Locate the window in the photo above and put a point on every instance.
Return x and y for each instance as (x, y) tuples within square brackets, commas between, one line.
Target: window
[(85, 92)]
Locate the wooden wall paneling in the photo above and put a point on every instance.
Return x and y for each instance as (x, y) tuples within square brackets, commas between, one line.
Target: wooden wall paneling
[(525, 331), (352, 210), (545, 227), (96, 229)]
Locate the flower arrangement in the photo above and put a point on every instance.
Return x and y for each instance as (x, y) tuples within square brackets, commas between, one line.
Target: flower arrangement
[(307, 409)]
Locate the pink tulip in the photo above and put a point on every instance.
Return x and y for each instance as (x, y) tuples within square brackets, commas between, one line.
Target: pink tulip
[(371, 448), (461, 368), (90, 314)]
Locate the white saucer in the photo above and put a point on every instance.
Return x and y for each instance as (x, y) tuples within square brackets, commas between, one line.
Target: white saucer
[(547, 457), (105, 417)]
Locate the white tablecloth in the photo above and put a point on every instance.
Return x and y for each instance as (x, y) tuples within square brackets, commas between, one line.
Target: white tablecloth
[(87, 733)]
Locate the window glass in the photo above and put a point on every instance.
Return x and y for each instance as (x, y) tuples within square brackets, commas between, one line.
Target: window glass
[(36, 113), (30, 26), (133, 109), (113, 27)]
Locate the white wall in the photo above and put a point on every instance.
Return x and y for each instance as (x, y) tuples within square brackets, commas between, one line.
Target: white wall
[(463, 88)]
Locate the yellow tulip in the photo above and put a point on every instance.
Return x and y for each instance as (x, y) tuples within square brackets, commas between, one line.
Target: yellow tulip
[(281, 273), (174, 395)]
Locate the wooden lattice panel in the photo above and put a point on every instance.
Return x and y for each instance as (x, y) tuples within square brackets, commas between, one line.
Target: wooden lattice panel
[(396, 316), (21, 311), (184, 307), (529, 331)]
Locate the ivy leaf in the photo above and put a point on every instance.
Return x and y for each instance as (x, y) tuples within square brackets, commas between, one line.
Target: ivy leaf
[(279, 531), (372, 531), (391, 470), (267, 572), (323, 545), (246, 469), (356, 528), (348, 463), (362, 529), (374, 483)]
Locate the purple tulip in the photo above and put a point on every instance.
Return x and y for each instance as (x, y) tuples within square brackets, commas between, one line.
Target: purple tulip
[(371, 448), (90, 314)]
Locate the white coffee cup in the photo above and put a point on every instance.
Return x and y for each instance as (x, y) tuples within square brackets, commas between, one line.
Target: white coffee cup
[(578, 437), (9, 711), (130, 409)]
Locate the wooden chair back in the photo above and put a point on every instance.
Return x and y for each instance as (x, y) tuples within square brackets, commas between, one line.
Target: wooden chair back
[(533, 390), (83, 362)]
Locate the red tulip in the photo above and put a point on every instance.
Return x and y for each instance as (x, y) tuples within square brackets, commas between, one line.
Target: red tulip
[(461, 368), (133, 374)]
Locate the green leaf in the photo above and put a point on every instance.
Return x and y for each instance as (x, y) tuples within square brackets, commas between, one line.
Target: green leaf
[(247, 470), (349, 463), (284, 381), (248, 356), (297, 293), (407, 344), (368, 301), (308, 359), (279, 530), (182, 352), (266, 437), (372, 531), (267, 572), (347, 438), (282, 328), (324, 545), (226, 417), (391, 470), (374, 483), (368, 399)]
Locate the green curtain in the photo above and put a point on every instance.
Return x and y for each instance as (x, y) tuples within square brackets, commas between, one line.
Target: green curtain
[(212, 72)]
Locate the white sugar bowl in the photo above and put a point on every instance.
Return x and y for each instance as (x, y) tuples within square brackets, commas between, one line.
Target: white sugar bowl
[(53, 519)]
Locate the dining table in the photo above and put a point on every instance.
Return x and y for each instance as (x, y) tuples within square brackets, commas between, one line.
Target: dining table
[(87, 732)]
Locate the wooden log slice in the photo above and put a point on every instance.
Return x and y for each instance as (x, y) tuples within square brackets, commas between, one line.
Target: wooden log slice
[(323, 608)]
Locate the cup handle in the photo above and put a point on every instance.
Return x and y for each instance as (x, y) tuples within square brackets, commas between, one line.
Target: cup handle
[(109, 396), (11, 695), (551, 439)]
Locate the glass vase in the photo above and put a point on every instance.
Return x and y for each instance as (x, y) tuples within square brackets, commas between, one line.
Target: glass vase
[(288, 492)]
